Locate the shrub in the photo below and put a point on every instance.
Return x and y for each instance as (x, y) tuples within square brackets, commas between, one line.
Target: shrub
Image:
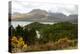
[(18, 45), (62, 43)]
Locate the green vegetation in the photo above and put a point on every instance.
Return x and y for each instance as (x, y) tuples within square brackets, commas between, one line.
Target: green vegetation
[(61, 35)]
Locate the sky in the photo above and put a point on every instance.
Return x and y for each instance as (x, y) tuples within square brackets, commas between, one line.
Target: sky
[(26, 6)]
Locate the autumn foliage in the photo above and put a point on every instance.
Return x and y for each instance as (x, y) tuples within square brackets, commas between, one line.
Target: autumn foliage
[(18, 44)]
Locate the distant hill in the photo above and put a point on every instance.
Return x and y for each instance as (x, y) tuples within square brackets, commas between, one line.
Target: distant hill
[(35, 25), (42, 15), (73, 18)]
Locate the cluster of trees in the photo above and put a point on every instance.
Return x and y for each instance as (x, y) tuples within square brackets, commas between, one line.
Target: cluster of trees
[(27, 35), (59, 30), (48, 33)]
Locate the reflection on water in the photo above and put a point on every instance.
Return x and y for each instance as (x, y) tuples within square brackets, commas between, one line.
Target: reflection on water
[(23, 23)]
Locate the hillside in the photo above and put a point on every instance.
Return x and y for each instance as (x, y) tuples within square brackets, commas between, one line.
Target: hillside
[(44, 16)]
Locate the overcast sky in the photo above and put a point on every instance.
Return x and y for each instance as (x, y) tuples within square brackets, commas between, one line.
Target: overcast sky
[(27, 6)]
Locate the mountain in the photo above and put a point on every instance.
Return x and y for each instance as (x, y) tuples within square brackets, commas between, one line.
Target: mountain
[(73, 18), (35, 14), (38, 12), (56, 17), (42, 15), (59, 17)]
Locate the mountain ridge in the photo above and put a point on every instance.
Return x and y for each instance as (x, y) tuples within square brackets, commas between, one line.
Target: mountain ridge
[(42, 15)]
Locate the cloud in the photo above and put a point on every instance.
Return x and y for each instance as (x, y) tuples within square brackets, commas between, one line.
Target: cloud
[(24, 7)]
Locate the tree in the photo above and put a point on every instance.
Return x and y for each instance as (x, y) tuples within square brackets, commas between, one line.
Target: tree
[(11, 30), (19, 31), (30, 35)]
